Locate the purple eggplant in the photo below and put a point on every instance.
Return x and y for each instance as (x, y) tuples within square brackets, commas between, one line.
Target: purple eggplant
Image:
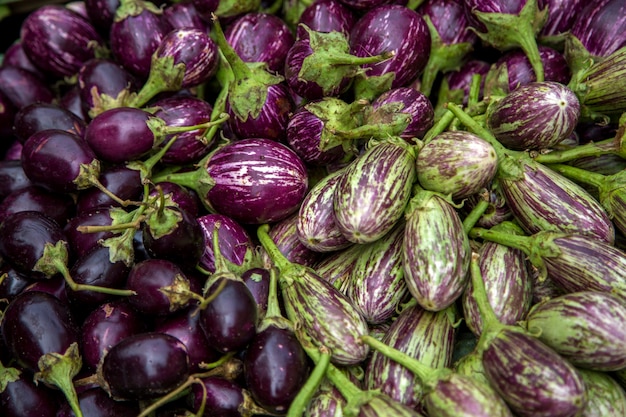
[(364, 5), (252, 180), (144, 366), (59, 41), (135, 34), (373, 191), (184, 15), (205, 8), (390, 28), (95, 402), (179, 196), (258, 280), (561, 15), (328, 16), (600, 27), (260, 37), (41, 116), (102, 13), (7, 116), (21, 87), (285, 235), (235, 243), (457, 83), (15, 56), (12, 177), (119, 180), (58, 206), (71, 100), (13, 283), (24, 397), (222, 397), (82, 243)]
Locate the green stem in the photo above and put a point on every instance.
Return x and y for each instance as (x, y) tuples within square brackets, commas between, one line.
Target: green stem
[(346, 387), (580, 175), (477, 129), (608, 146), (170, 396), (187, 179), (219, 107), (212, 123), (239, 68), (488, 316), (528, 43), (63, 269), (112, 227), (273, 306), (281, 262), (439, 127), (474, 91), (347, 59), (472, 218), (523, 243), (300, 402)]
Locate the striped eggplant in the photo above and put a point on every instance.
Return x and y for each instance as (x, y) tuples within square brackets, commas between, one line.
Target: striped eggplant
[(457, 163), (253, 181), (324, 314), (497, 211), (376, 284), (436, 251), (508, 283), (390, 27), (424, 335), (336, 267), (285, 235), (328, 16), (600, 27), (586, 327), (235, 243), (326, 402), (536, 115), (532, 378), (373, 191), (472, 365), (605, 396), (315, 226), (561, 15)]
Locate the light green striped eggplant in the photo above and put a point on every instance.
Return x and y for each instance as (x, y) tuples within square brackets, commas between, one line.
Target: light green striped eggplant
[(374, 189), (376, 285), (436, 251), (605, 396), (336, 267), (587, 328)]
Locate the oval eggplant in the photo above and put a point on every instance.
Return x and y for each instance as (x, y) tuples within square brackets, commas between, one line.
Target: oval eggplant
[(591, 27), (605, 397), (285, 236)]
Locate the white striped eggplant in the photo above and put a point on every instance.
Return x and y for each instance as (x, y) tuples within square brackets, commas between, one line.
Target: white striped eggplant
[(534, 116), (586, 328), (336, 267), (532, 378), (284, 234), (424, 335), (605, 396), (324, 314), (436, 251), (457, 163), (540, 198), (573, 262), (497, 210), (599, 27), (376, 284), (253, 181), (373, 191)]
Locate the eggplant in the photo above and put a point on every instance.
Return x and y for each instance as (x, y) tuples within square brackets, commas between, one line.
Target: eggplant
[(534, 116), (584, 327), (436, 251), (458, 82), (456, 163), (21, 87), (23, 396), (328, 16), (285, 235), (41, 116), (12, 177), (235, 242), (605, 397), (561, 16), (15, 56), (182, 15), (592, 30), (389, 28), (102, 13), (373, 191), (336, 267), (59, 41), (59, 206)]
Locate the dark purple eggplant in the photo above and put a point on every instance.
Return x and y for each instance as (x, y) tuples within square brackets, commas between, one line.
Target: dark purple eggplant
[(144, 366), (457, 83), (235, 242), (41, 116), (71, 100), (260, 37), (59, 207), (102, 13), (258, 280), (600, 27), (95, 402), (60, 161), (119, 180), (12, 177), (23, 397), (184, 14), (205, 8), (135, 34), (252, 181), (59, 41), (364, 5), (177, 195), (13, 282), (7, 116), (561, 16), (328, 16), (390, 28), (224, 398), (22, 87), (107, 325), (15, 56), (285, 235), (80, 243)]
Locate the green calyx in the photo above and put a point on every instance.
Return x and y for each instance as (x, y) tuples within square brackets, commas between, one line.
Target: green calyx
[(165, 75), (230, 8), (130, 8), (8, 375), (369, 87)]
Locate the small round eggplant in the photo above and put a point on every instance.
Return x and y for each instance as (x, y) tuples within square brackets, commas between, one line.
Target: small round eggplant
[(234, 241), (59, 207), (102, 13), (12, 177), (21, 87), (23, 397), (181, 15), (119, 180), (41, 116), (95, 402), (328, 16), (600, 27)]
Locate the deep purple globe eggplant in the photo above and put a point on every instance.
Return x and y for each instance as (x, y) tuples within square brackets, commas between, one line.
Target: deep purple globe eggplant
[(258, 282), (144, 366), (80, 243), (120, 181), (95, 402), (41, 116), (235, 242), (223, 397), (364, 5), (7, 116), (179, 196), (253, 181), (328, 16), (59, 206), (102, 13), (15, 56), (12, 177), (22, 396), (59, 41), (21, 87), (390, 28), (600, 27)]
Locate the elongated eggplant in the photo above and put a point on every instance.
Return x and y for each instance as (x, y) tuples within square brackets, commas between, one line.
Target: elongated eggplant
[(336, 267), (436, 251), (285, 235), (605, 397), (585, 327), (373, 191), (592, 30)]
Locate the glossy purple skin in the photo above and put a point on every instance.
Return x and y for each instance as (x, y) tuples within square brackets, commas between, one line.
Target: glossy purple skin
[(275, 368), (561, 15), (260, 37), (55, 159), (145, 366), (122, 181), (54, 286), (16, 57), (272, 120), (601, 26), (520, 71), (101, 13), (134, 39), (413, 103), (258, 282), (58, 206), (13, 283), (223, 397), (22, 324), (462, 78), (100, 76), (190, 146), (234, 240), (25, 398), (450, 21), (95, 402), (304, 133), (246, 190), (328, 16), (285, 236), (148, 279), (41, 116), (229, 321), (205, 8), (7, 116), (58, 40), (82, 243), (22, 87), (12, 177), (23, 236), (550, 385), (73, 102), (185, 326), (185, 198), (491, 6), (120, 134), (105, 326), (193, 48), (364, 4), (392, 28), (184, 15)]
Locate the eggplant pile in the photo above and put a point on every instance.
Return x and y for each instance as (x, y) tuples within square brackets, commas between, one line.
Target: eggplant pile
[(314, 208)]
